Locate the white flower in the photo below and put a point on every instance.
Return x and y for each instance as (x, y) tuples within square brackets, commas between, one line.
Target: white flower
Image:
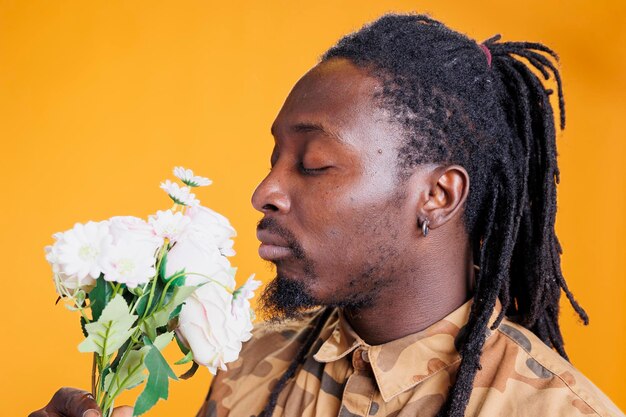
[(131, 262), (242, 296), (133, 254), (167, 224), (208, 327), (52, 253), (82, 250), (209, 324), (210, 226), (65, 283), (73, 283), (133, 229), (202, 259), (180, 195), (186, 176)]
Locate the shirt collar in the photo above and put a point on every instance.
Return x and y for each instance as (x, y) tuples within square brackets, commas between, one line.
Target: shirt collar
[(403, 363)]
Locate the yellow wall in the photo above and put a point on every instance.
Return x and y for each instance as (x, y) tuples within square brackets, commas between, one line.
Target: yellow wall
[(99, 99)]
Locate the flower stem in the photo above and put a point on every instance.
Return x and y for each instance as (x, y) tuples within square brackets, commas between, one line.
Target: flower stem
[(82, 313), (135, 302), (109, 398), (93, 376), (153, 281), (116, 289)]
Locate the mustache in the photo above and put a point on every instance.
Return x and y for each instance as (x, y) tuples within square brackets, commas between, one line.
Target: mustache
[(272, 226)]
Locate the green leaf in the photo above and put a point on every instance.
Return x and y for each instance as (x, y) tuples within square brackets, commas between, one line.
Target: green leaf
[(179, 281), (120, 353), (188, 358), (99, 297), (163, 340), (132, 371), (181, 346), (105, 372), (165, 278), (161, 316), (159, 286), (130, 374), (141, 304), (110, 332), (158, 380), (83, 322), (176, 311), (162, 267)]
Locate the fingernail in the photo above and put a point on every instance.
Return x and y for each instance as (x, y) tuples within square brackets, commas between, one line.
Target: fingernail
[(91, 413)]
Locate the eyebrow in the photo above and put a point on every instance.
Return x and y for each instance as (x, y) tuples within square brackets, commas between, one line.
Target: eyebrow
[(306, 127)]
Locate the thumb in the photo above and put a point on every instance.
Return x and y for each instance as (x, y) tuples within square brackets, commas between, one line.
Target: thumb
[(122, 411), (73, 402)]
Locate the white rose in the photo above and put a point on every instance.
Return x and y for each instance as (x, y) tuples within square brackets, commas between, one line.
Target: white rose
[(168, 224), (209, 328), (132, 257), (130, 229), (210, 226), (198, 258)]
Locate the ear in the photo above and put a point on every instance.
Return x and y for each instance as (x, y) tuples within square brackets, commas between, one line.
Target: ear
[(448, 190)]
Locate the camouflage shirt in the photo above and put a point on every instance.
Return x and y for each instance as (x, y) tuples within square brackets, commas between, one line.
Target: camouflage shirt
[(344, 376)]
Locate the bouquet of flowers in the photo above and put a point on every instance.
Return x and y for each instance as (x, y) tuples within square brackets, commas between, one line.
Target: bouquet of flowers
[(140, 284)]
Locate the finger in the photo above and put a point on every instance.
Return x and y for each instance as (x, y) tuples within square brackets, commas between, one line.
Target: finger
[(72, 402), (39, 413), (123, 411)]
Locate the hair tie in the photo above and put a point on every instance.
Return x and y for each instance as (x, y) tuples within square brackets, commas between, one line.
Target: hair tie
[(487, 52)]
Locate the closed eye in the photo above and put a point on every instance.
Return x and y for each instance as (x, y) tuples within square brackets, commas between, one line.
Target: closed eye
[(312, 171)]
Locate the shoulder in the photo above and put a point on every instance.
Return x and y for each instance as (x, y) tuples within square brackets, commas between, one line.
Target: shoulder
[(280, 340), (520, 372), (263, 359)]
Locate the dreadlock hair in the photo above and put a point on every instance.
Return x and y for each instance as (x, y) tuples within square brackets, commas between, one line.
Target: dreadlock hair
[(485, 108)]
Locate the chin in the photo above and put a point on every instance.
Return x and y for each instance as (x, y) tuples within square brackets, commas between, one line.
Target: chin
[(286, 297)]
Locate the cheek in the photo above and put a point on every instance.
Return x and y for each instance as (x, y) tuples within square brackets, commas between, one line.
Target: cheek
[(356, 257), (345, 221), (354, 231)]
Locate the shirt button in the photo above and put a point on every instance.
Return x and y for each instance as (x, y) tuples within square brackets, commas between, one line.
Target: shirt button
[(360, 359)]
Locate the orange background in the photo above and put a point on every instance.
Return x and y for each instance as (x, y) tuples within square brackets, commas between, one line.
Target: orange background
[(100, 99)]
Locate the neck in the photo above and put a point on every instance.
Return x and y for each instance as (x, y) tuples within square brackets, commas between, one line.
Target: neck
[(414, 301)]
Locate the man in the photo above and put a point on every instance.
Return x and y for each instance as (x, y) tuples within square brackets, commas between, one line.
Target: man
[(413, 196)]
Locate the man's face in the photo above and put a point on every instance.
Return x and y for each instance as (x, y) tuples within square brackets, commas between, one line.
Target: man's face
[(335, 214)]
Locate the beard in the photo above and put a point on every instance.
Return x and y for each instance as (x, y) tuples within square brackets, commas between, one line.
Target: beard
[(287, 298), (284, 297)]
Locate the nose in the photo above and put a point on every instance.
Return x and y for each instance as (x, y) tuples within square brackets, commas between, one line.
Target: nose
[(270, 195)]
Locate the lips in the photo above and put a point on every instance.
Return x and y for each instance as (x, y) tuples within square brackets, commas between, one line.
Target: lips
[(272, 247)]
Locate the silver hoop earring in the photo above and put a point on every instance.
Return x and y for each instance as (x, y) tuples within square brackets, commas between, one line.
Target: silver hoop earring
[(425, 228)]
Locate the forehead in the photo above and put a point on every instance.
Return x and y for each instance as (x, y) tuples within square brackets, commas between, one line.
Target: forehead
[(338, 97)]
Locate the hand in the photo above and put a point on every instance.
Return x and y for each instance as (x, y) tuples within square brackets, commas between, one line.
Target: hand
[(71, 402)]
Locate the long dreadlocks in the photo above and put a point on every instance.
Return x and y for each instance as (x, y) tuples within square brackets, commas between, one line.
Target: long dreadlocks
[(485, 108)]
